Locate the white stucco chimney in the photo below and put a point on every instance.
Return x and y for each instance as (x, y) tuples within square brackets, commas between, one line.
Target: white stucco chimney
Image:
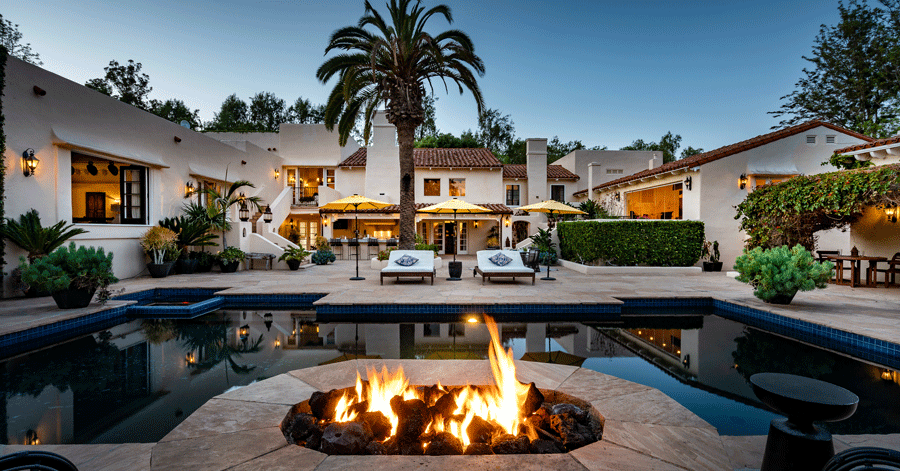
[(593, 178), (536, 166), (383, 161), (656, 161)]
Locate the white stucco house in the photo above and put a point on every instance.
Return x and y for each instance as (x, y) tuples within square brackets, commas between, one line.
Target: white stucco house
[(707, 186)]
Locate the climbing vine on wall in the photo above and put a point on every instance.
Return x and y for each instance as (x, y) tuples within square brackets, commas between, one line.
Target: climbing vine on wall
[(3, 55), (791, 212)]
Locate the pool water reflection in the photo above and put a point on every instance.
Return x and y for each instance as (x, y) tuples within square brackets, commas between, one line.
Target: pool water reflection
[(136, 381)]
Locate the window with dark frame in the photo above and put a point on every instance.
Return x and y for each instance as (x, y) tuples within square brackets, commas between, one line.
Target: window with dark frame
[(432, 187), (133, 190), (512, 195), (105, 191), (558, 193)]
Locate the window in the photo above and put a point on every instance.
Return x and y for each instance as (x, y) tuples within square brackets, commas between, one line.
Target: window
[(614, 171), (811, 139), (829, 139), (761, 180), (512, 195), (558, 193), (432, 187), (329, 178), (107, 192), (431, 330), (457, 187), (457, 330)]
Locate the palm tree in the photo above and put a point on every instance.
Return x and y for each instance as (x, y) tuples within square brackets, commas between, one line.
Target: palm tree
[(390, 66), (224, 201)]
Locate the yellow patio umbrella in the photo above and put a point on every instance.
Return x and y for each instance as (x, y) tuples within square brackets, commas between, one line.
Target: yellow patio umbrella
[(355, 202), (550, 206), (454, 206)]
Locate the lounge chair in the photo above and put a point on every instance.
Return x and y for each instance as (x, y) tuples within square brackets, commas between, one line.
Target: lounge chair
[(423, 267), (514, 269)]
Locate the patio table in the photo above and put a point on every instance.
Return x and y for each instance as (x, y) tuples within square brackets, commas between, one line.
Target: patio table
[(855, 268)]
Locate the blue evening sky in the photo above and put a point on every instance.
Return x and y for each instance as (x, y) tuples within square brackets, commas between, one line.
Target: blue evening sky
[(604, 72)]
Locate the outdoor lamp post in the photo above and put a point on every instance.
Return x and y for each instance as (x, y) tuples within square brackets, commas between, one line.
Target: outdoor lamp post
[(244, 213), (267, 215), (267, 320)]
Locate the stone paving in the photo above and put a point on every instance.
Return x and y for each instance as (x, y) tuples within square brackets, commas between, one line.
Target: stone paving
[(874, 312)]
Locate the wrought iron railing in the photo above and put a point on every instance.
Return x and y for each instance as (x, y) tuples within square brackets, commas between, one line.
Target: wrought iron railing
[(306, 196)]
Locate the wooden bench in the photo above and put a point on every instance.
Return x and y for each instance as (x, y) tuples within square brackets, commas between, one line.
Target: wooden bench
[(251, 256)]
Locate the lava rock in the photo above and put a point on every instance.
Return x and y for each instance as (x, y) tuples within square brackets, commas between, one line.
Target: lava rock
[(507, 444), (359, 407), (480, 430), (377, 422), (543, 447), (444, 443), (391, 446), (479, 449), (411, 447), (445, 405), (414, 417), (573, 434), (375, 448), (532, 402), (323, 404), (579, 414), (300, 428), (346, 438)]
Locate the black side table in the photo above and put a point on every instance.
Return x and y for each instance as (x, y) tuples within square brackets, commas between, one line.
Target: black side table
[(795, 443)]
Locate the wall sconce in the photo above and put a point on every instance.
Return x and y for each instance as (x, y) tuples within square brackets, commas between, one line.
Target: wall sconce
[(244, 213), (887, 375), (618, 196), (267, 215), (31, 438), (241, 197), (325, 222), (475, 224), (743, 180), (39, 91), (189, 189), (891, 214), (277, 343), (687, 360), (244, 332), (29, 162), (688, 183), (506, 222), (189, 358), (277, 173)]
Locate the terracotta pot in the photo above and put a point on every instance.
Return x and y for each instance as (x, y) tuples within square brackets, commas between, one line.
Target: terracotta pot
[(73, 298)]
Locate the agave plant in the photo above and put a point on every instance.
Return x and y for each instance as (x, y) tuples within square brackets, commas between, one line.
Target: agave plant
[(191, 232), (31, 236)]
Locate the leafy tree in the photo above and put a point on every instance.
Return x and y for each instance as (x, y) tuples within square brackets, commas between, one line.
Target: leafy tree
[(304, 112), (428, 128), (389, 63), (854, 72), (223, 201), (557, 149), (126, 83), (266, 112), (233, 116), (668, 144), (175, 111), (847, 162), (689, 151), (496, 131), (515, 153), (448, 140), (11, 39)]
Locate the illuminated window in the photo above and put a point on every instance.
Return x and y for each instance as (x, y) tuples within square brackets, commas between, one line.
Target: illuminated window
[(432, 187), (512, 195), (457, 187), (107, 192)]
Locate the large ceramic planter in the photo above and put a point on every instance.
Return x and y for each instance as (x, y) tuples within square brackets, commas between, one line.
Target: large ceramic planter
[(293, 264), (782, 298), (73, 298), (160, 270), (712, 266), (378, 264), (229, 267), (455, 269), (186, 266)]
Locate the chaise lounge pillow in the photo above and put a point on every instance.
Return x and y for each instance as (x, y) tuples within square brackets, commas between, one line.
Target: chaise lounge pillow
[(406, 261), (500, 260)]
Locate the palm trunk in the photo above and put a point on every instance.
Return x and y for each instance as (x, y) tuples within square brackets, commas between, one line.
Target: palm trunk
[(405, 136)]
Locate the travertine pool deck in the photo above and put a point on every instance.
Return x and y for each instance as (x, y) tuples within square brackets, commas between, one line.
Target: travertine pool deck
[(247, 443)]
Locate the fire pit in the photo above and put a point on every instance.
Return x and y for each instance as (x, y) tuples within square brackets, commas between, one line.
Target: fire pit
[(385, 415)]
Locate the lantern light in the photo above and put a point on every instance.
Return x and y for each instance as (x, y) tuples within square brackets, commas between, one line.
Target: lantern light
[(243, 212), (267, 215), (29, 162), (743, 181)]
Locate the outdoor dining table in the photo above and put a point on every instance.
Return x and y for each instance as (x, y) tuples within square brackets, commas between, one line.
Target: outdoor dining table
[(855, 268)]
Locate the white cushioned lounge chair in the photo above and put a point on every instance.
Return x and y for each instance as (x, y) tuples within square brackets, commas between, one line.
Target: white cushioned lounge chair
[(514, 269), (424, 267)]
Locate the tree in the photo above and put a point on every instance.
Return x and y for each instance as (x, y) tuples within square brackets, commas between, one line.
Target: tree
[(853, 78), (391, 65), (11, 39), (267, 112), (668, 145), (689, 151), (233, 116), (223, 201), (125, 83), (557, 149), (495, 131), (175, 111), (304, 112), (428, 128), (447, 141)]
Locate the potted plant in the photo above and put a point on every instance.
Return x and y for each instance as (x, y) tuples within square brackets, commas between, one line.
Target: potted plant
[(322, 257), (230, 259), (191, 232), (38, 241), (710, 254), (492, 242), (381, 260), (293, 257), (777, 274), (159, 244), (71, 275), (205, 261)]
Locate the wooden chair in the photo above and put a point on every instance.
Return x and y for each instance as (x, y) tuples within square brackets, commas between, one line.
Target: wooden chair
[(890, 272), (838, 268)]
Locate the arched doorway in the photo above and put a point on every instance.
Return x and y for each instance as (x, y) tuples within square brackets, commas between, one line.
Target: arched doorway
[(520, 231)]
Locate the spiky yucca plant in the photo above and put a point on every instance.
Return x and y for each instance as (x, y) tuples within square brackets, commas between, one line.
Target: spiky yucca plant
[(37, 240)]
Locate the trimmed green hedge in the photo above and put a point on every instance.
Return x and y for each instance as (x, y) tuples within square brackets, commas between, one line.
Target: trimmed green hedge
[(628, 243)]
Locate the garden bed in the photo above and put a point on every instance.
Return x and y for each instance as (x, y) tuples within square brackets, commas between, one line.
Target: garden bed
[(634, 270)]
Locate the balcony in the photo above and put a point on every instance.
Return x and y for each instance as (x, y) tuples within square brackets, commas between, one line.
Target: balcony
[(305, 197)]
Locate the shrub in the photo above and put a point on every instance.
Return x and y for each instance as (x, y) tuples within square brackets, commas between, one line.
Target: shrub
[(37, 240), (781, 271), (291, 253), (231, 254), (385, 254), (323, 257), (70, 267), (322, 244), (157, 241), (432, 247), (628, 243)]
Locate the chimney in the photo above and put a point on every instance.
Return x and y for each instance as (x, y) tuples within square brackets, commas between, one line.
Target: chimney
[(593, 178), (536, 166), (383, 161), (656, 161)]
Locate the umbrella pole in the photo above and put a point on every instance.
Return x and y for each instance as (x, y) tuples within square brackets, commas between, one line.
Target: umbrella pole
[(456, 242), (356, 235), (548, 277)]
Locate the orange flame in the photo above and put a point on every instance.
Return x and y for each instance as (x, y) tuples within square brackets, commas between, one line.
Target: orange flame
[(498, 404)]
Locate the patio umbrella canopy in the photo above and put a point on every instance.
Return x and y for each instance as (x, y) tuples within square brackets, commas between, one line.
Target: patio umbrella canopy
[(355, 203), (551, 206), (454, 206)]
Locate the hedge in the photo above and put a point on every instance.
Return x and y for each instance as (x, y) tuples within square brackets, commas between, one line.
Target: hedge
[(629, 243)]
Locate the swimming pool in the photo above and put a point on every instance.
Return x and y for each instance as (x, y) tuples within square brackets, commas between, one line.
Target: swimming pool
[(135, 381)]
